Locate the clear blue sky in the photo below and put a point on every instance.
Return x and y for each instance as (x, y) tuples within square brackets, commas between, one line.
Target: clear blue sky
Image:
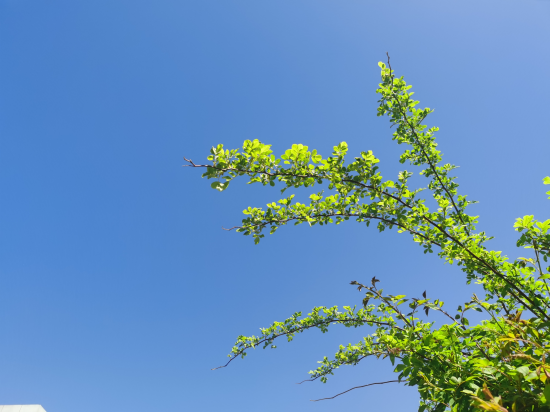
[(119, 289)]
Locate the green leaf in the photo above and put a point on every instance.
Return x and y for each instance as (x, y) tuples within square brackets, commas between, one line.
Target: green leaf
[(531, 376), (222, 187), (455, 380), (523, 370)]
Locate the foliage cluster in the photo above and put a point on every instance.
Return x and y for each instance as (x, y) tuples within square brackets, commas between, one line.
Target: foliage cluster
[(500, 364)]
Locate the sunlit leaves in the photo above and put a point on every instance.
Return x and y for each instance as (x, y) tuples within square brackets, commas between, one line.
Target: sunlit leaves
[(499, 364)]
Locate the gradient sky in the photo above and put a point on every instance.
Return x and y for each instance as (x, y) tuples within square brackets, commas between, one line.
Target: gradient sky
[(119, 289)]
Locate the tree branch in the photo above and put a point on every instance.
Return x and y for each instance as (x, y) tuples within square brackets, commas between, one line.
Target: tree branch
[(358, 387), (389, 222), (300, 329), (482, 261), (404, 114)]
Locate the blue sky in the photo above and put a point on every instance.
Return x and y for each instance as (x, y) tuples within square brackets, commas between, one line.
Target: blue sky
[(119, 289)]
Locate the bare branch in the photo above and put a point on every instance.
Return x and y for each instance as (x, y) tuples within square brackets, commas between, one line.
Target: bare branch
[(358, 387), (191, 162)]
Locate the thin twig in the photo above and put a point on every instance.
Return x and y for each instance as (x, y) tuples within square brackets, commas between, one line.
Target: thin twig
[(190, 161), (358, 387)]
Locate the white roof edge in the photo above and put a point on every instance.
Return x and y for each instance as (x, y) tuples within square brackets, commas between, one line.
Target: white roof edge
[(21, 408)]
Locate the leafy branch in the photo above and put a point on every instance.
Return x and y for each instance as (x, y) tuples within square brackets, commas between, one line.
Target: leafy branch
[(499, 364)]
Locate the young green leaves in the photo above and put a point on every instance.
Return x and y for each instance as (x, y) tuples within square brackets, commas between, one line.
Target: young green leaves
[(499, 364)]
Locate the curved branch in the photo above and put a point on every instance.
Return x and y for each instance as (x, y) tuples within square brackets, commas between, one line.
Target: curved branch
[(358, 387), (300, 329), (389, 222), (246, 171)]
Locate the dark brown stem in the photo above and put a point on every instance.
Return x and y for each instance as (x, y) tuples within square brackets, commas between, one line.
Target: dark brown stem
[(358, 387)]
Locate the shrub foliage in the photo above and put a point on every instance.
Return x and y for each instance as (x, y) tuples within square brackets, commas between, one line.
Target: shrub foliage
[(499, 364)]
